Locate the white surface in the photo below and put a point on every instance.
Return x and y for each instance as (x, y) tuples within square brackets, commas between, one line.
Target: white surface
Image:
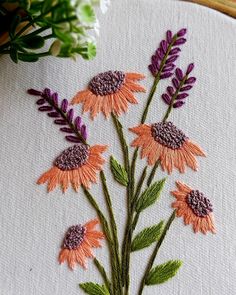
[(33, 222)]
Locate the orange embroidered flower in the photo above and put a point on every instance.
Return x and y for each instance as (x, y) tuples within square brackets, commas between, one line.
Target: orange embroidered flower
[(194, 207), (109, 92), (163, 141), (78, 243), (76, 165)]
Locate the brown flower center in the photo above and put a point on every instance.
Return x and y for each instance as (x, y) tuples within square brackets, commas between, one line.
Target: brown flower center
[(167, 134), (74, 237), (107, 83), (73, 157), (200, 205)]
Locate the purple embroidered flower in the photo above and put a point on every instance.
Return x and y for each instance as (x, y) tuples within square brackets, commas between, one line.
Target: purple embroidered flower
[(181, 84), (163, 61), (49, 103)]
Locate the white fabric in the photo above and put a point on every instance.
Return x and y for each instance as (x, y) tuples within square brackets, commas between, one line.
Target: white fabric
[(33, 222)]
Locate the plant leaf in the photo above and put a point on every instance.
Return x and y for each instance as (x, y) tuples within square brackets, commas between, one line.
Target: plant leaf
[(118, 172), (28, 57), (46, 6), (150, 195), (15, 22), (94, 289), (147, 236), (163, 272), (14, 54), (32, 42)]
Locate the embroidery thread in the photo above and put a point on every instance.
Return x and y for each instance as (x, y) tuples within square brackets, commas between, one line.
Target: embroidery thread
[(77, 165), (164, 142), (109, 92), (78, 243), (194, 207), (161, 143)]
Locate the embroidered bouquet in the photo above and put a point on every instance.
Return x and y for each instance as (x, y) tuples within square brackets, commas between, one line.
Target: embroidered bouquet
[(163, 145)]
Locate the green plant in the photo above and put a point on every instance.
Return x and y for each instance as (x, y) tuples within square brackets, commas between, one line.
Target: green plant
[(68, 24)]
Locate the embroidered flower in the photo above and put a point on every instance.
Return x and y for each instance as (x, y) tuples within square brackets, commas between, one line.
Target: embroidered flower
[(194, 207), (78, 243), (109, 92), (76, 165), (163, 141)]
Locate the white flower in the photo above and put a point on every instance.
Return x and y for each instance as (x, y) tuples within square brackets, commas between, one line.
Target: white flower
[(55, 48)]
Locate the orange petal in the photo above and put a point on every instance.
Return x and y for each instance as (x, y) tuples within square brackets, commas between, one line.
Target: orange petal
[(95, 234), (183, 187), (63, 255), (141, 129), (131, 98), (134, 87), (91, 224), (80, 96), (80, 257), (134, 76), (47, 175), (190, 159), (71, 259), (128, 95), (194, 148)]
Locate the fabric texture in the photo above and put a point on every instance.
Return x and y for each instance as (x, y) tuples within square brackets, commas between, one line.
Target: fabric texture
[(33, 222)]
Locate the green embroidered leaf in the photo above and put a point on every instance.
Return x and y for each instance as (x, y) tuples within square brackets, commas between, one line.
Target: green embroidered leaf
[(163, 272), (150, 195), (94, 289), (147, 236), (118, 172)]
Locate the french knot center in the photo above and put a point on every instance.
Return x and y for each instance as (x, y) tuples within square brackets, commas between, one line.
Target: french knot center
[(167, 134), (72, 158), (74, 237), (107, 83), (200, 205)]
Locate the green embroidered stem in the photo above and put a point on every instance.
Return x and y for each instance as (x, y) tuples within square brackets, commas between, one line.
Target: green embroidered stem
[(124, 146), (113, 230), (103, 274), (153, 172), (133, 168), (108, 235), (135, 221), (139, 187), (153, 89), (154, 254), (128, 231)]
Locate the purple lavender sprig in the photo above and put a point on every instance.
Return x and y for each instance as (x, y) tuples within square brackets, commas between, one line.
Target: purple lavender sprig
[(163, 61), (62, 115), (176, 94)]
